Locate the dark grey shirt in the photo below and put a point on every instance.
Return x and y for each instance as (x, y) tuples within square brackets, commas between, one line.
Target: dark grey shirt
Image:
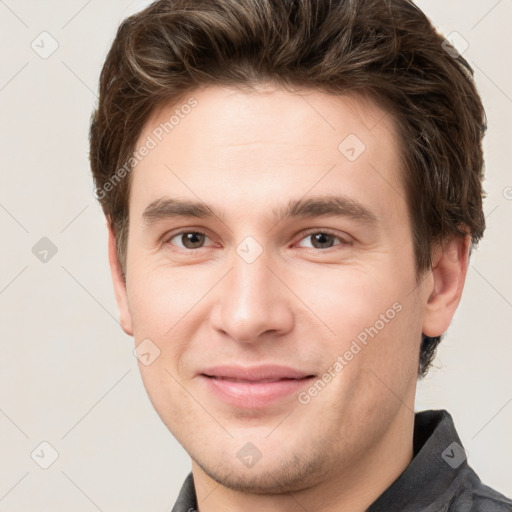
[(438, 479)]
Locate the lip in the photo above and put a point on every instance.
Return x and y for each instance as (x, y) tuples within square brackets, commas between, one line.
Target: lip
[(253, 387)]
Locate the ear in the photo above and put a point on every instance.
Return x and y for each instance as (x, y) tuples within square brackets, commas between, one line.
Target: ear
[(449, 267), (119, 284)]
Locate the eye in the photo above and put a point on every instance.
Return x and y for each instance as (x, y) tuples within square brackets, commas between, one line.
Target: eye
[(323, 239), (189, 239)]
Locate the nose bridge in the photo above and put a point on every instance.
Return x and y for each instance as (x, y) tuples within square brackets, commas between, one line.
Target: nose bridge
[(252, 299), (251, 279)]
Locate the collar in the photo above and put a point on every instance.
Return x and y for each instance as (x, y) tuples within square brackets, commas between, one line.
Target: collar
[(438, 470)]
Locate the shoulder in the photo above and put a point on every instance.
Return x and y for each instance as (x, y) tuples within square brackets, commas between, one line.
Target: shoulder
[(474, 496)]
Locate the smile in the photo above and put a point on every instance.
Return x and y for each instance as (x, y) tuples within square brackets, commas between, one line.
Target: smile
[(255, 387)]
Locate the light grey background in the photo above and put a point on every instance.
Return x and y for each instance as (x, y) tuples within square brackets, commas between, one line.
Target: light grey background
[(67, 373)]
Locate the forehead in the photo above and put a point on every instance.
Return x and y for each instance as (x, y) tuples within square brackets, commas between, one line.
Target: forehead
[(267, 144), (310, 114)]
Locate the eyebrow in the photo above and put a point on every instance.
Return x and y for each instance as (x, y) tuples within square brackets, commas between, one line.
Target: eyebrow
[(328, 205)]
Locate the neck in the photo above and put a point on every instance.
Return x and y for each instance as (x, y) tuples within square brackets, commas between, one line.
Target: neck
[(352, 488)]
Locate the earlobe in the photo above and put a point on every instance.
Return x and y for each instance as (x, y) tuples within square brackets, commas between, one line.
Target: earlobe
[(449, 268), (119, 284)]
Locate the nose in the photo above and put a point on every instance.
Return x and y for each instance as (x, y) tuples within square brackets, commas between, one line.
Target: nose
[(253, 302)]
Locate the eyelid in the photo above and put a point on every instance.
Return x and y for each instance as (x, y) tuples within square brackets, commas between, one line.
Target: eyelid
[(169, 236), (301, 236), (325, 231)]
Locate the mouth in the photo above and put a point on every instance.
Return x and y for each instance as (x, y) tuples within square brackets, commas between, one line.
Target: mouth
[(251, 381), (256, 387)]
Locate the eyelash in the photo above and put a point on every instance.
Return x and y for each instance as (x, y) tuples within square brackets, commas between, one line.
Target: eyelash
[(304, 235)]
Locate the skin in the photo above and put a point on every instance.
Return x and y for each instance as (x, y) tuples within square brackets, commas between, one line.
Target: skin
[(296, 304)]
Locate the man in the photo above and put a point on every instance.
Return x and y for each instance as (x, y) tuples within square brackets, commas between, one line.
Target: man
[(292, 191)]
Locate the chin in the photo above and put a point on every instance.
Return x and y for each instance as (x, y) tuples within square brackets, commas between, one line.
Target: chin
[(271, 478)]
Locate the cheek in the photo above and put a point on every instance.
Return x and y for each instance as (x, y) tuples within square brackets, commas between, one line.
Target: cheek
[(348, 300), (173, 404), (161, 306), (391, 354), (370, 319), (161, 301)]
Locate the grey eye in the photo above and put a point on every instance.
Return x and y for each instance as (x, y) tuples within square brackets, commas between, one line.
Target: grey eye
[(320, 240)]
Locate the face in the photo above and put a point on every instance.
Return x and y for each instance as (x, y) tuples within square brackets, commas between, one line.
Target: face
[(281, 321)]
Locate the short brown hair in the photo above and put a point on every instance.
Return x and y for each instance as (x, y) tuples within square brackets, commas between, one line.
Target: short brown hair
[(385, 48)]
